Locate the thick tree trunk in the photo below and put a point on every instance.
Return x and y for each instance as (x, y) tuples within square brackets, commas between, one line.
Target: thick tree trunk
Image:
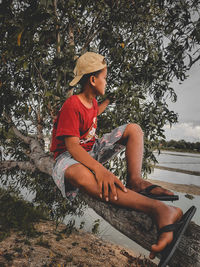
[(140, 228)]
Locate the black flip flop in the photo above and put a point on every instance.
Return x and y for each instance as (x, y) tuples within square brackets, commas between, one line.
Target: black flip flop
[(147, 193), (178, 230)]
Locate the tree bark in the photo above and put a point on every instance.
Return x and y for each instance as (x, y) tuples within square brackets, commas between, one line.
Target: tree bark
[(140, 228), (23, 165)]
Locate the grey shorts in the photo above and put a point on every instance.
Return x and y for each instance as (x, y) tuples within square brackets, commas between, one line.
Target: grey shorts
[(104, 149)]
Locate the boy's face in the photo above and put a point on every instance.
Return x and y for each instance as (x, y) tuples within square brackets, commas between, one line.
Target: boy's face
[(100, 82)]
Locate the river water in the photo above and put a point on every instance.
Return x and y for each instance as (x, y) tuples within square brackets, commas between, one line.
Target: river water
[(179, 160), (183, 161)]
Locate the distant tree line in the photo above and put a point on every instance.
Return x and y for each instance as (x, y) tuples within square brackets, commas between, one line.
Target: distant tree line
[(180, 145)]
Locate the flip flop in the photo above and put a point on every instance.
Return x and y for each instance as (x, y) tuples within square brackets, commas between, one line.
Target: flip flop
[(178, 230), (147, 193)]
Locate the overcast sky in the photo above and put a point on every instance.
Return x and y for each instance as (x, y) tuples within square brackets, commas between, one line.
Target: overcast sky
[(187, 107)]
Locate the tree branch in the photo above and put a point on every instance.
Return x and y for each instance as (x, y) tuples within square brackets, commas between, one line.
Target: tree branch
[(22, 165), (57, 27), (40, 75), (194, 61), (71, 44), (140, 228), (42, 160), (90, 36), (71, 35), (22, 137), (51, 111), (90, 39), (39, 123), (18, 134)]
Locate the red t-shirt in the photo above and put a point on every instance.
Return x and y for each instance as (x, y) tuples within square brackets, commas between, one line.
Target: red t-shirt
[(74, 119)]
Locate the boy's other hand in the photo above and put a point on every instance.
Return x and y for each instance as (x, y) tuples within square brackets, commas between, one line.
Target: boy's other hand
[(111, 97), (107, 182)]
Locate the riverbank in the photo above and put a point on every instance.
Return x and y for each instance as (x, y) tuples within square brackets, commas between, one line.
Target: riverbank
[(183, 188), (28, 238), (61, 247), (197, 173)]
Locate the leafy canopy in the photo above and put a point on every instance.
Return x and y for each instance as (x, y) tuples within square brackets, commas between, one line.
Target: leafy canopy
[(147, 44)]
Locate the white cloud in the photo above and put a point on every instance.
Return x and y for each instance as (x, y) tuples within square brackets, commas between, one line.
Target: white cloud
[(187, 131), (187, 107)]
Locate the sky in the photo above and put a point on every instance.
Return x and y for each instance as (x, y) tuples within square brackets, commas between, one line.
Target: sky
[(187, 107)]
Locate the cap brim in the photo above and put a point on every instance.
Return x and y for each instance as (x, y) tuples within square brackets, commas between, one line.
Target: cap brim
[(75, 80)]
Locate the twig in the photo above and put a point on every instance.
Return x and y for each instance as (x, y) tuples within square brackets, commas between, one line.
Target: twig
[(57, 27), (40, 75), (195, 60)]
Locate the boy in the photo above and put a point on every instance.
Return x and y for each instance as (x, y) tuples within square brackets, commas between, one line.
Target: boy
[(79, 156)]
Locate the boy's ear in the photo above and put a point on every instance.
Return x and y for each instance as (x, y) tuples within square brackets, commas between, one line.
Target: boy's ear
[(92, 80)]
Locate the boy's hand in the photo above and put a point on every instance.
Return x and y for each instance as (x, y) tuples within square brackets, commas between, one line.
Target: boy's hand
[(107, 182), (111, 97)]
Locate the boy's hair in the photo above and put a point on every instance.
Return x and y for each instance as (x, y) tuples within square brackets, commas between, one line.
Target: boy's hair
[(88, 63), (87, 76)]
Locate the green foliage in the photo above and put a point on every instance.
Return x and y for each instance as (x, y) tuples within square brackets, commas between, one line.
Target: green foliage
[(82, 225), (95, 227), (147, 44), (189, 196), (17, 214)]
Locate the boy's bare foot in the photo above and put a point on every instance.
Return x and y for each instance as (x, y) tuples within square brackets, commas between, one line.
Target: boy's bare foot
[(140, 184), (165, 215)]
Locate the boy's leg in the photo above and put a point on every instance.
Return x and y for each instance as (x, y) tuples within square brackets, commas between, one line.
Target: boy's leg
[(132, 138), (81, 177)]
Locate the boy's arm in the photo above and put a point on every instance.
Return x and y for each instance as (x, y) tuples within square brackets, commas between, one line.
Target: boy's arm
[(105, 178), (110, 99), (103, 106)]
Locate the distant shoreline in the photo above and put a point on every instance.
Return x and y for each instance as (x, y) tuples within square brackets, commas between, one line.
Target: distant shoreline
[(196, 173), (180, 150)]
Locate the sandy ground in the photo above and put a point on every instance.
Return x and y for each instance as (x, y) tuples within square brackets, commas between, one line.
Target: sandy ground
[(59, 248)]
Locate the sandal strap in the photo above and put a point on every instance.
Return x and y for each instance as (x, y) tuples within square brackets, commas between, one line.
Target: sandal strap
[(148, 189), (170, 228)]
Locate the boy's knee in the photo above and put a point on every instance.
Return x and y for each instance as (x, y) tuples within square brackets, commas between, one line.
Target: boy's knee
[(71, 175), (76, 175), (135, 128)]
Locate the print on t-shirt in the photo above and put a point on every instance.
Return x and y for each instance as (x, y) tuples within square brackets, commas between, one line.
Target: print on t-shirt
[(90, 134)]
